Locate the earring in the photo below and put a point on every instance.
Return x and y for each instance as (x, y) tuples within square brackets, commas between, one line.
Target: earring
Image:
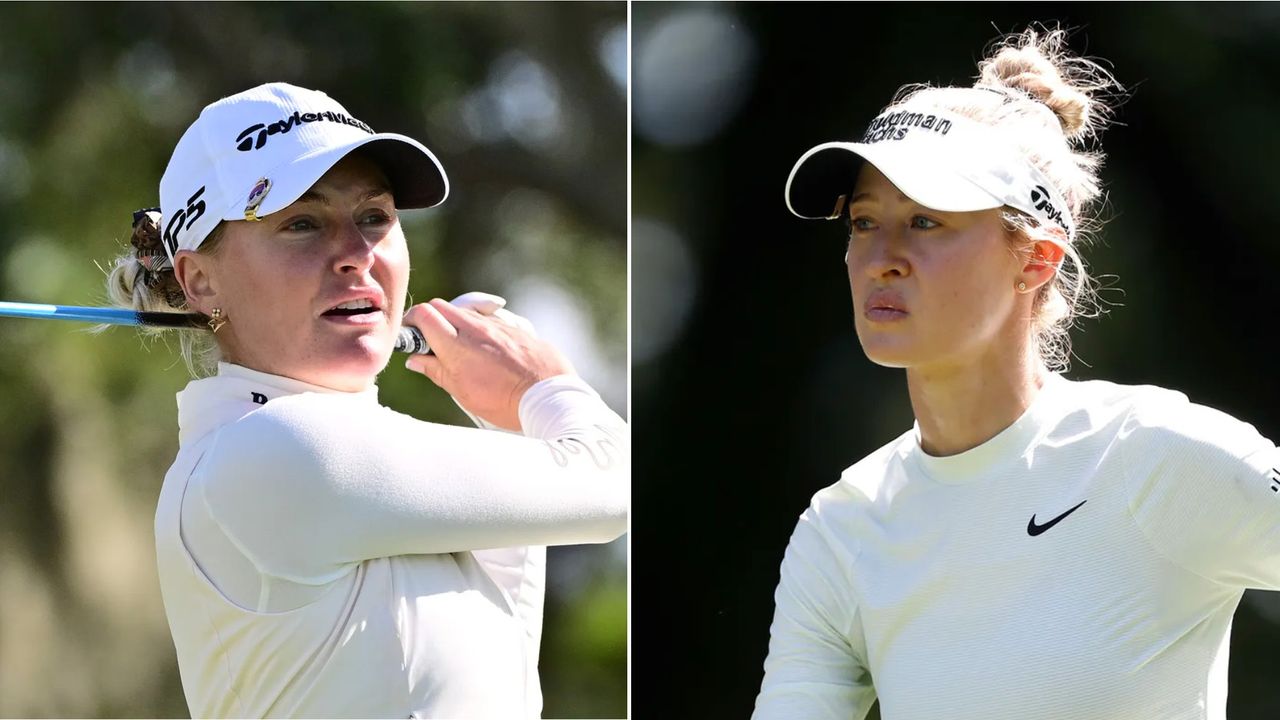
[(1022, 287), (216, 320)]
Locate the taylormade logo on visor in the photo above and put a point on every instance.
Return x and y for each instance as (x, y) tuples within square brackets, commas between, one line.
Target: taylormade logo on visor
[(1040, 198), (246, 140)]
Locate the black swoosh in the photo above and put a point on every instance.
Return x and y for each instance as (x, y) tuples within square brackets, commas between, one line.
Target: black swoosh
[(1033, 529)]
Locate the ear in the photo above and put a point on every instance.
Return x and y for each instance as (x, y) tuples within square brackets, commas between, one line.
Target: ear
[(1045, 259), (195, 274)]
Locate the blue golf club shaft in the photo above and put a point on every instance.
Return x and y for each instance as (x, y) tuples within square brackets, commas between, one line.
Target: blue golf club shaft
[(409, 341)]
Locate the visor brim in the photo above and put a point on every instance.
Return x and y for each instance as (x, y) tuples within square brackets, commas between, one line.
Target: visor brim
[(828, 171)]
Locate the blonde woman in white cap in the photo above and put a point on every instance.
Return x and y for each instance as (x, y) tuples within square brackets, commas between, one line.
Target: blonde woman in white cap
[(1033, 546), (320, 554)]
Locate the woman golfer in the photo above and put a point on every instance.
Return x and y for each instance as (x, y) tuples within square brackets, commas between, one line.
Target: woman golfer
[(1034, 547), (320, 554)]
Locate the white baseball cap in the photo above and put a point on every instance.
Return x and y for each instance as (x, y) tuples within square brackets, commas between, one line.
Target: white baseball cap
[(935, 157), (256, 152)]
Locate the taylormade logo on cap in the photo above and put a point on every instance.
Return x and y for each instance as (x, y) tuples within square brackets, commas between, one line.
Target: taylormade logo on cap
[(245, 141), (256, 152)]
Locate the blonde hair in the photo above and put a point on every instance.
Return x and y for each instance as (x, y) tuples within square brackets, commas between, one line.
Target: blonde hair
[(133, 283), (1052, 104)]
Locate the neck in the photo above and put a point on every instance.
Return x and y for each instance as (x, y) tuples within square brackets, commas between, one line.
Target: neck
[(962, 405)]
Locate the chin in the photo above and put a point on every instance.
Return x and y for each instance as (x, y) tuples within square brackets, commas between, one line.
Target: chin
[(890, 362), (355, 365), (890, 352)]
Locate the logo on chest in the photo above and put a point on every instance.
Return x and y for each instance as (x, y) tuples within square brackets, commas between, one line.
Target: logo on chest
[(1033, 529)]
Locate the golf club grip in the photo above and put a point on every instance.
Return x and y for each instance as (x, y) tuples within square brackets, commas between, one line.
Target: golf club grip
[(173, 319), (410, 340)]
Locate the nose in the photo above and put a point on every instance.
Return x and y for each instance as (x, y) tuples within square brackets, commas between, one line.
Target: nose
[(353, 251), (882, 256)]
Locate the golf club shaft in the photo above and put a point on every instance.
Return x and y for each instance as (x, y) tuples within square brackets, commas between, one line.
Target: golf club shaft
[(410, 339)]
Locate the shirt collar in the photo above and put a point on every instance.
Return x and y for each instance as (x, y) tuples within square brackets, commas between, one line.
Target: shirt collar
[(207, 404), (1007, 446)]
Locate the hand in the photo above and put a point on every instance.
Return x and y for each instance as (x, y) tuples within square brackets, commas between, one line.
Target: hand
[(485, 360), (487, 304)]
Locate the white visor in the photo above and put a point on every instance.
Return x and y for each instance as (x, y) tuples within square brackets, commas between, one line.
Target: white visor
[(938, 159)]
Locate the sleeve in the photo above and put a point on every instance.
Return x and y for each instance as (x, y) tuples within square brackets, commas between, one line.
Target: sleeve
[(816, 667), (520, 571), (356, 481), (1204, 488)]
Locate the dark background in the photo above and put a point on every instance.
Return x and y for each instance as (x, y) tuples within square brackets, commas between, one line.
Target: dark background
[(524, 104), (750, 391)]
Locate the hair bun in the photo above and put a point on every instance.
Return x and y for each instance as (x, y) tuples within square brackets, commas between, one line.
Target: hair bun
[(146, 232), (1037, 64)]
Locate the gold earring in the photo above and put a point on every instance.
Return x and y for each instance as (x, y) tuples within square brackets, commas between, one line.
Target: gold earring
[(216, 320), (1022, 287)]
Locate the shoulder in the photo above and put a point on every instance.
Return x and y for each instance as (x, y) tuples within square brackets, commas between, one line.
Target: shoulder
[(1150, 415), (1100, 403), (303, 421), (865, 481), (1161, 435), (1159, 419), (281, 427), (291, 445), (830, 525)]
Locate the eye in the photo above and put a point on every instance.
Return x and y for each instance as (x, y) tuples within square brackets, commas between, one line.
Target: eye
[(376, 217), (862, 223), (303, 224), (920, 222)]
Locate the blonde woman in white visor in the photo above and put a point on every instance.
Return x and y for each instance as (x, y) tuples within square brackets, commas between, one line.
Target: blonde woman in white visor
[(1033, 546), (320, 554)]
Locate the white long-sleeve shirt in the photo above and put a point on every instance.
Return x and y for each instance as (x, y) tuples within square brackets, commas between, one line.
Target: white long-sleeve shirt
[(323, 555), (1083, 563)]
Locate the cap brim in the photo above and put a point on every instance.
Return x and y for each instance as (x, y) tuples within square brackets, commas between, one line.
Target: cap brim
[(416, 176), (828, 171)]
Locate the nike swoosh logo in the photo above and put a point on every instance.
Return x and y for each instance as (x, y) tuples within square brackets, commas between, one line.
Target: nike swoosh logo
[(1033, 529)]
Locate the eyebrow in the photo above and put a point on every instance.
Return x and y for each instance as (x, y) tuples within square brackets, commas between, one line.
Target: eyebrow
[(868, 196), (318, 197)]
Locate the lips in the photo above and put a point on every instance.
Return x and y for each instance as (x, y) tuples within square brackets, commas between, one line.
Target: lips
[(886, 300), (884, 306), (356, 302)]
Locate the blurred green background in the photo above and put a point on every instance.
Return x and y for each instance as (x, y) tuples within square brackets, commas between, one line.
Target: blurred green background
[(750, 390), (525, 105)]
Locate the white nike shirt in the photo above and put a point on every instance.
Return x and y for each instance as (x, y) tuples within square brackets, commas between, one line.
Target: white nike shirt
[(1083, 563), (321, 555)]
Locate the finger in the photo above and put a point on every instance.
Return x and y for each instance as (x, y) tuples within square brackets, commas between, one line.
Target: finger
[(515, 320), (460, 318), (438, 330), (481, 302), (428, 365)]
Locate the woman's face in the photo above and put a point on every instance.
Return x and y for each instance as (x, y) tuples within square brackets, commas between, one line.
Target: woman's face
[(279, 281), (949, 278)]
